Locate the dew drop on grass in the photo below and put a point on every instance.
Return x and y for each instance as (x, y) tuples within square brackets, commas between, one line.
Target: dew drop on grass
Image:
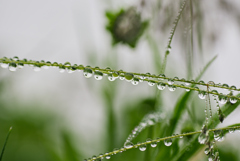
[(108, 156), (37, 68), (170, 81), (128, 145), (233, 87), (231, 130), (154, 144), (67, 64), (202, 94), (121, 76), (61, 69), (20, 65), (4, 65), (15, 58), (171, 88), (115, 74), (168, 142), (225, 86), (98, 75), (201, 82), (135, 81), (161, 86), (162, 76), (222, 99), (87, 72), (151, 83), (142, 147), (128, 77), (207, 151), (111, 77), (233, 100), (203, 138), (12, 67), (211, 83), (218, 135)]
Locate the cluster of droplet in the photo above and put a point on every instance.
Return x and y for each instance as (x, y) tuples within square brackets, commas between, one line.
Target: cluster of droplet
[(149, 120), (14, 63)]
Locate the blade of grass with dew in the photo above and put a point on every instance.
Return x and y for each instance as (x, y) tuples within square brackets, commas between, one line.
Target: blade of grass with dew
[(178, 110), (5, 143), (187, 152)]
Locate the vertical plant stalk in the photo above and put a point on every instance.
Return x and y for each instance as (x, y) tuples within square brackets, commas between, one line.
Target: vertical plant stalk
[(6, 140), (190, 56), (171, 36)]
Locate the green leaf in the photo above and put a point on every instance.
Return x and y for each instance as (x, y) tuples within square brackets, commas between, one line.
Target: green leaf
[(6, 140)]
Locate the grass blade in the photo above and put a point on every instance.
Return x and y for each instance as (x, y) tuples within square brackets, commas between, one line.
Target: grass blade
[(6, 140)]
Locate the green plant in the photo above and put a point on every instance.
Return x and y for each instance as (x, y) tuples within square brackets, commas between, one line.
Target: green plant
[(154, 124)]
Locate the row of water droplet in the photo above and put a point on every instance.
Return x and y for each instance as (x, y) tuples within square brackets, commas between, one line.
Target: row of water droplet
[(98, 74)]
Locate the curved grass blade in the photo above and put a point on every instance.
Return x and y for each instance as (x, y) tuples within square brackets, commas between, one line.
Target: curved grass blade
[(6, 140)]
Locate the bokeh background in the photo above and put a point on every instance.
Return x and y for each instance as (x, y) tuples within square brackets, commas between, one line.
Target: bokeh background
[(61, 116)]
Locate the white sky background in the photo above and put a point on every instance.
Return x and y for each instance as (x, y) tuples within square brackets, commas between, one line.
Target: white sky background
[(70, 30)]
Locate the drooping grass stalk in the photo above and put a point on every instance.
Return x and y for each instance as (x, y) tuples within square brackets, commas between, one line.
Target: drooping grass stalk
[(153, 79), (5, 143), (175, 23), (133, 146)]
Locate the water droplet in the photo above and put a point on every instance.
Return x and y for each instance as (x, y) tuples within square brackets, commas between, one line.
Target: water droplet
[(218, 135), (225, 86), (171, 88), (87, 72), (233, 87), (36, 68), (61, 69), (12, 67), (20, 65), (143, 147), (128, 145), (211, 83), (211, 157), (203, 138), (201, 82), (231, 130), (170, 81), (214, 91), (161, 86), (207, 151), (4, 65), (115, 74), (128, 77), (54, 64), (98, 75), (233, 100), (108, 156), (180, 136), (168, 50), (111, 77), (151, 83), (94, 157), (202, 94), (67, 64), (222, 99), (154, 144), (168, 142), (187, 83), (15, 58), (135, 81), (162, 76)]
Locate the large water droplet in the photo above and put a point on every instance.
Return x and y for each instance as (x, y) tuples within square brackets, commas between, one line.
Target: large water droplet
[(151, 83), (128, 145), (225, 86), (61, 69), (233, 100), (135, 81), (211, 83), (218, 135), (222, 99), (12, 67), (128, 77), (170, 81), (143, 147), (233, 87), (15, 58), (111, 77), (20, 65), (168, 142), (115, 74), (201, 82), (203, 138), (154, 144), (202, 94), (231, 130), (4, 65), (108, 156), (172, 88), (67, 64), (98, 75), (207, 151), (161, 86), (87, 72)]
